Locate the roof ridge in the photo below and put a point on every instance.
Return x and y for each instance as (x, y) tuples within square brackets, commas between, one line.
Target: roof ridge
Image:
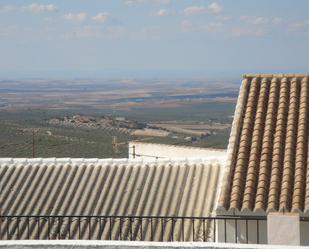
[(275, 75), (211, 159)]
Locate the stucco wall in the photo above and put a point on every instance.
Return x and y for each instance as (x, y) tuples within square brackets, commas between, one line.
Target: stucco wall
[(128, 245), (252, 231), (247, 233), (151, 151)]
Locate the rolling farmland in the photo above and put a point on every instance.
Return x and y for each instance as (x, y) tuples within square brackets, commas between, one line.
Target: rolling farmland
[(197, 114)]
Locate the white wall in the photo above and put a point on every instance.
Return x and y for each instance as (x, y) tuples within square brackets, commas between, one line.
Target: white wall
[(252, 232), (69, 244), (304, 233), (283, 228), (151, 151), (244, 232)]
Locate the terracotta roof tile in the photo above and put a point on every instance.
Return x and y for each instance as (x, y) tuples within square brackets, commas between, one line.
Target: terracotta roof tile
[(268, 167)]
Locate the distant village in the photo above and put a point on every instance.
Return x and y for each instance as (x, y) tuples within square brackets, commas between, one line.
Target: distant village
[(135, 128)]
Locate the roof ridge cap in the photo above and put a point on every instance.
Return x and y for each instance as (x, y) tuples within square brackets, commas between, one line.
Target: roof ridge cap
[(208, 160), (275, 75)]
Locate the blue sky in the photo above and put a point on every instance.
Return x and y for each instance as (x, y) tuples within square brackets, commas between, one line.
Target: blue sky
[(154, 38)]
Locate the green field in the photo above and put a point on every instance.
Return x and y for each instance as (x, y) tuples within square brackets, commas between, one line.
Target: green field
[(16, 127), (51, 141)]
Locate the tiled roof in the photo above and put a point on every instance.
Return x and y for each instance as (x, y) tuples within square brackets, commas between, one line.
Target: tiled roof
[(108, 187), (267, 167)]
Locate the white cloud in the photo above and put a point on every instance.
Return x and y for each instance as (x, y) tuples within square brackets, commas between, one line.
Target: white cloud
[(222, 18), (212, 27), (95, 32), (101, 17), (32, 8), (139, 2), (213, 8), (40, 8), (247, 31), (256, 20), (84, 32), (115, 31), (261, 20), (162, 12), (194, 10), (277, 20), (79, 17), (256, 25), (299, 25)]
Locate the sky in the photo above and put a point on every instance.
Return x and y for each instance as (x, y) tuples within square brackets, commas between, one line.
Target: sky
[(152, 38)]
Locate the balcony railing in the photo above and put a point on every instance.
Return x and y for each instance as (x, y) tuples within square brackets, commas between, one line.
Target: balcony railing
[(134, 228)]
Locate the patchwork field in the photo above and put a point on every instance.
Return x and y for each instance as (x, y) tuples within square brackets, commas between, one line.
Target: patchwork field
[(193, 113)]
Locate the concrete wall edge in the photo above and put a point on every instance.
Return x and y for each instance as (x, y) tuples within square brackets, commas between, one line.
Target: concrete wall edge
[(55, 244)]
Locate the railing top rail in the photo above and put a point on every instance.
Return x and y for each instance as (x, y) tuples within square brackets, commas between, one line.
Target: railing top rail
[(139, 217), (304, 218)]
